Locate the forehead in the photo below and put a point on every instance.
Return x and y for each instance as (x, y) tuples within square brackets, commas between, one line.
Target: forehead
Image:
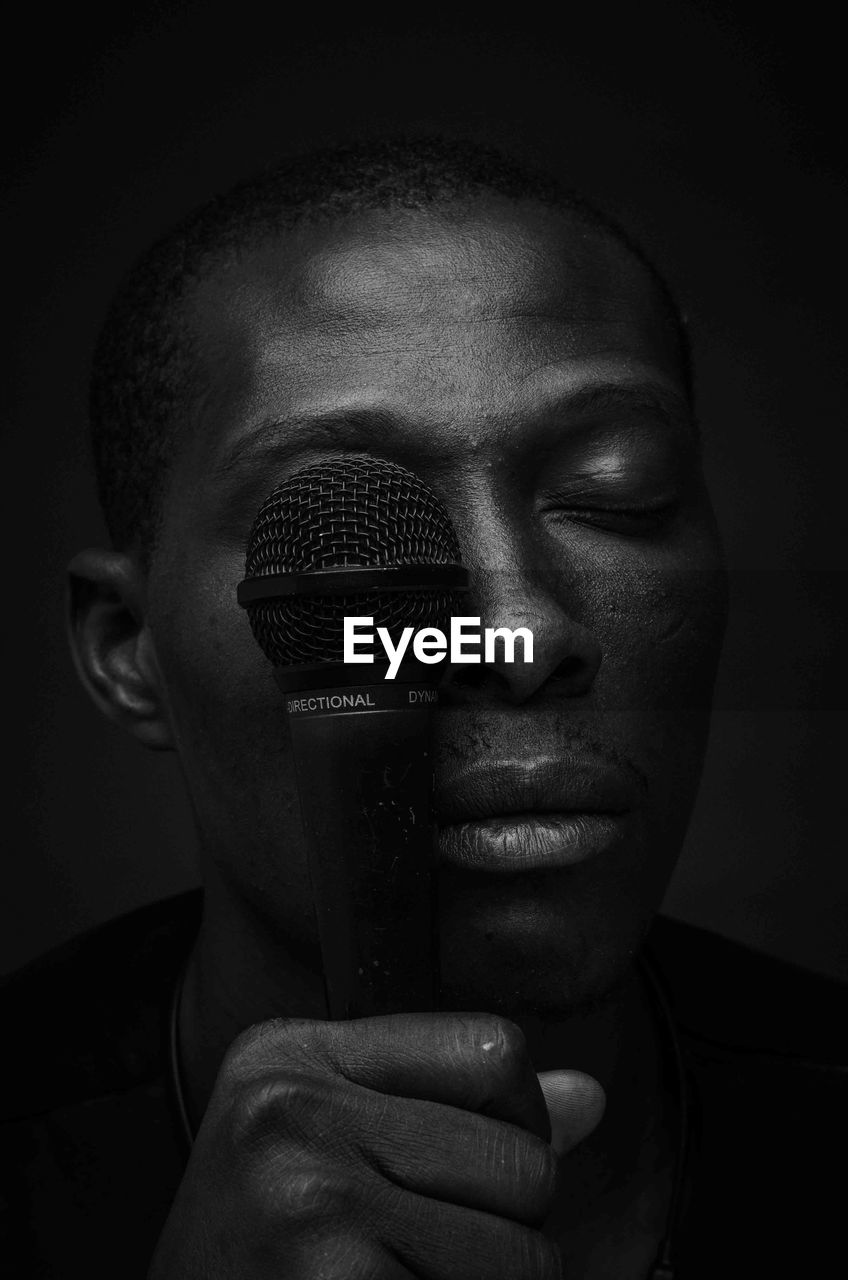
[(458, 318)]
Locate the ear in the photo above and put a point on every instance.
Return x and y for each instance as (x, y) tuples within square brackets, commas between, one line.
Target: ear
[(112, 647)]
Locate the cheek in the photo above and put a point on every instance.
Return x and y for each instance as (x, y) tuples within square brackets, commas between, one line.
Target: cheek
[(219, 684), (661, 637), (228, 719)]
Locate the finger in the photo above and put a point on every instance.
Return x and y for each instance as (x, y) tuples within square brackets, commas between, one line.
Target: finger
[(437, 1240), (345, 1257), (474, 1061), (365, 1141), (477, 1062), (575, 1103), (463, 1159)]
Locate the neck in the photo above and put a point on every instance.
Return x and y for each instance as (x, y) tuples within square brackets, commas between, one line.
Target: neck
[(240, 973), (612, 1203)]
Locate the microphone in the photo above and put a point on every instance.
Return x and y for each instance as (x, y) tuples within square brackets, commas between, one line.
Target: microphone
[(360, 537)]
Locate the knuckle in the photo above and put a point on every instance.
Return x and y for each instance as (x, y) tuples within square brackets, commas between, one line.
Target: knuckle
[(313, 1194), (288, 1201), (267, 1106), (244, 1054), (295, 1040)]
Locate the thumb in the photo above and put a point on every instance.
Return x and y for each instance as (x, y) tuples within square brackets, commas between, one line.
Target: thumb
[(575, 1103)]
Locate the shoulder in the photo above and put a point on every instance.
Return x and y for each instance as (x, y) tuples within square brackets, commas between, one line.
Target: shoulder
[(89, 1017), (91, 1156), (764, 1047), (725, 994)]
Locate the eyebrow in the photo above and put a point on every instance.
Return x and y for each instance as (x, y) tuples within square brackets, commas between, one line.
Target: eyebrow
[(345, 427), (340, 428), (608, 397)]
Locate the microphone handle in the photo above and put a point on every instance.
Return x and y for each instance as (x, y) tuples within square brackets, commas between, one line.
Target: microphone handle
[(364, 766)]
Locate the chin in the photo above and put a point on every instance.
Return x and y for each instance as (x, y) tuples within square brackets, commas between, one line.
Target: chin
[(540, 944)]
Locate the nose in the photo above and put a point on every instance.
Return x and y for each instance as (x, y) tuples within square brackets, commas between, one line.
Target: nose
[(513, 590)]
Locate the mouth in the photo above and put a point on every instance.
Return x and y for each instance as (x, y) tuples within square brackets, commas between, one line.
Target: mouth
[(511, 816)]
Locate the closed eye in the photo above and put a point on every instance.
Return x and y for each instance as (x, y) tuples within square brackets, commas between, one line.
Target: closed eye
[(629, 520)]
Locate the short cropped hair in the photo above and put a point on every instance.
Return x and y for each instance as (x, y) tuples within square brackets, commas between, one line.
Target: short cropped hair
[(144, 371)]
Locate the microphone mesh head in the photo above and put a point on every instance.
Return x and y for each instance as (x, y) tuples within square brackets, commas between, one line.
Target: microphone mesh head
[(358, 511)]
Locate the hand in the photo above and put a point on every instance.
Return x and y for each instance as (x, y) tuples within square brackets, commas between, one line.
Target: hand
[(415, 1145)]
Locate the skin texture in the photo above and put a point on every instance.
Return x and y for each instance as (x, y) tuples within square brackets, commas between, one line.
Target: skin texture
[(521, 365)]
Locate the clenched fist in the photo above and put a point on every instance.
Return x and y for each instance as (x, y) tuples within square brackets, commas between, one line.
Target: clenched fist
[(411, 1145)]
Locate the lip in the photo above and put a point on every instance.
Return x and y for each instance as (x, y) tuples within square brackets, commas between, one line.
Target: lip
[(543, 813)]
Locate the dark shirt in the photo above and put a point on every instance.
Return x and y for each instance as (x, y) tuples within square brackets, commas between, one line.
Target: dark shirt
[(92, 1153)]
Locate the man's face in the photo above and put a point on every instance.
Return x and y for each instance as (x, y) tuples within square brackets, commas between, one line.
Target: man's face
[(522, 367)]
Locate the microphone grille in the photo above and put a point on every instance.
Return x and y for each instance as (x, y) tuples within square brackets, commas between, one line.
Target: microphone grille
[(354, 512), (359, 511)]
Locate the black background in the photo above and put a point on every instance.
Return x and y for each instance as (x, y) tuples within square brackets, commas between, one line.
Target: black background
[(714, 133)]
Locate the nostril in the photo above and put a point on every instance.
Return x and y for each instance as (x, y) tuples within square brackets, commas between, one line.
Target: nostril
[(468, 677), (566, 657), (570, 668), (576, 672)]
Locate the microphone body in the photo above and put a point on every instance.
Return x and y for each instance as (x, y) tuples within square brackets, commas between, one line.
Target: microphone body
[(363, 761), (360, 538)]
